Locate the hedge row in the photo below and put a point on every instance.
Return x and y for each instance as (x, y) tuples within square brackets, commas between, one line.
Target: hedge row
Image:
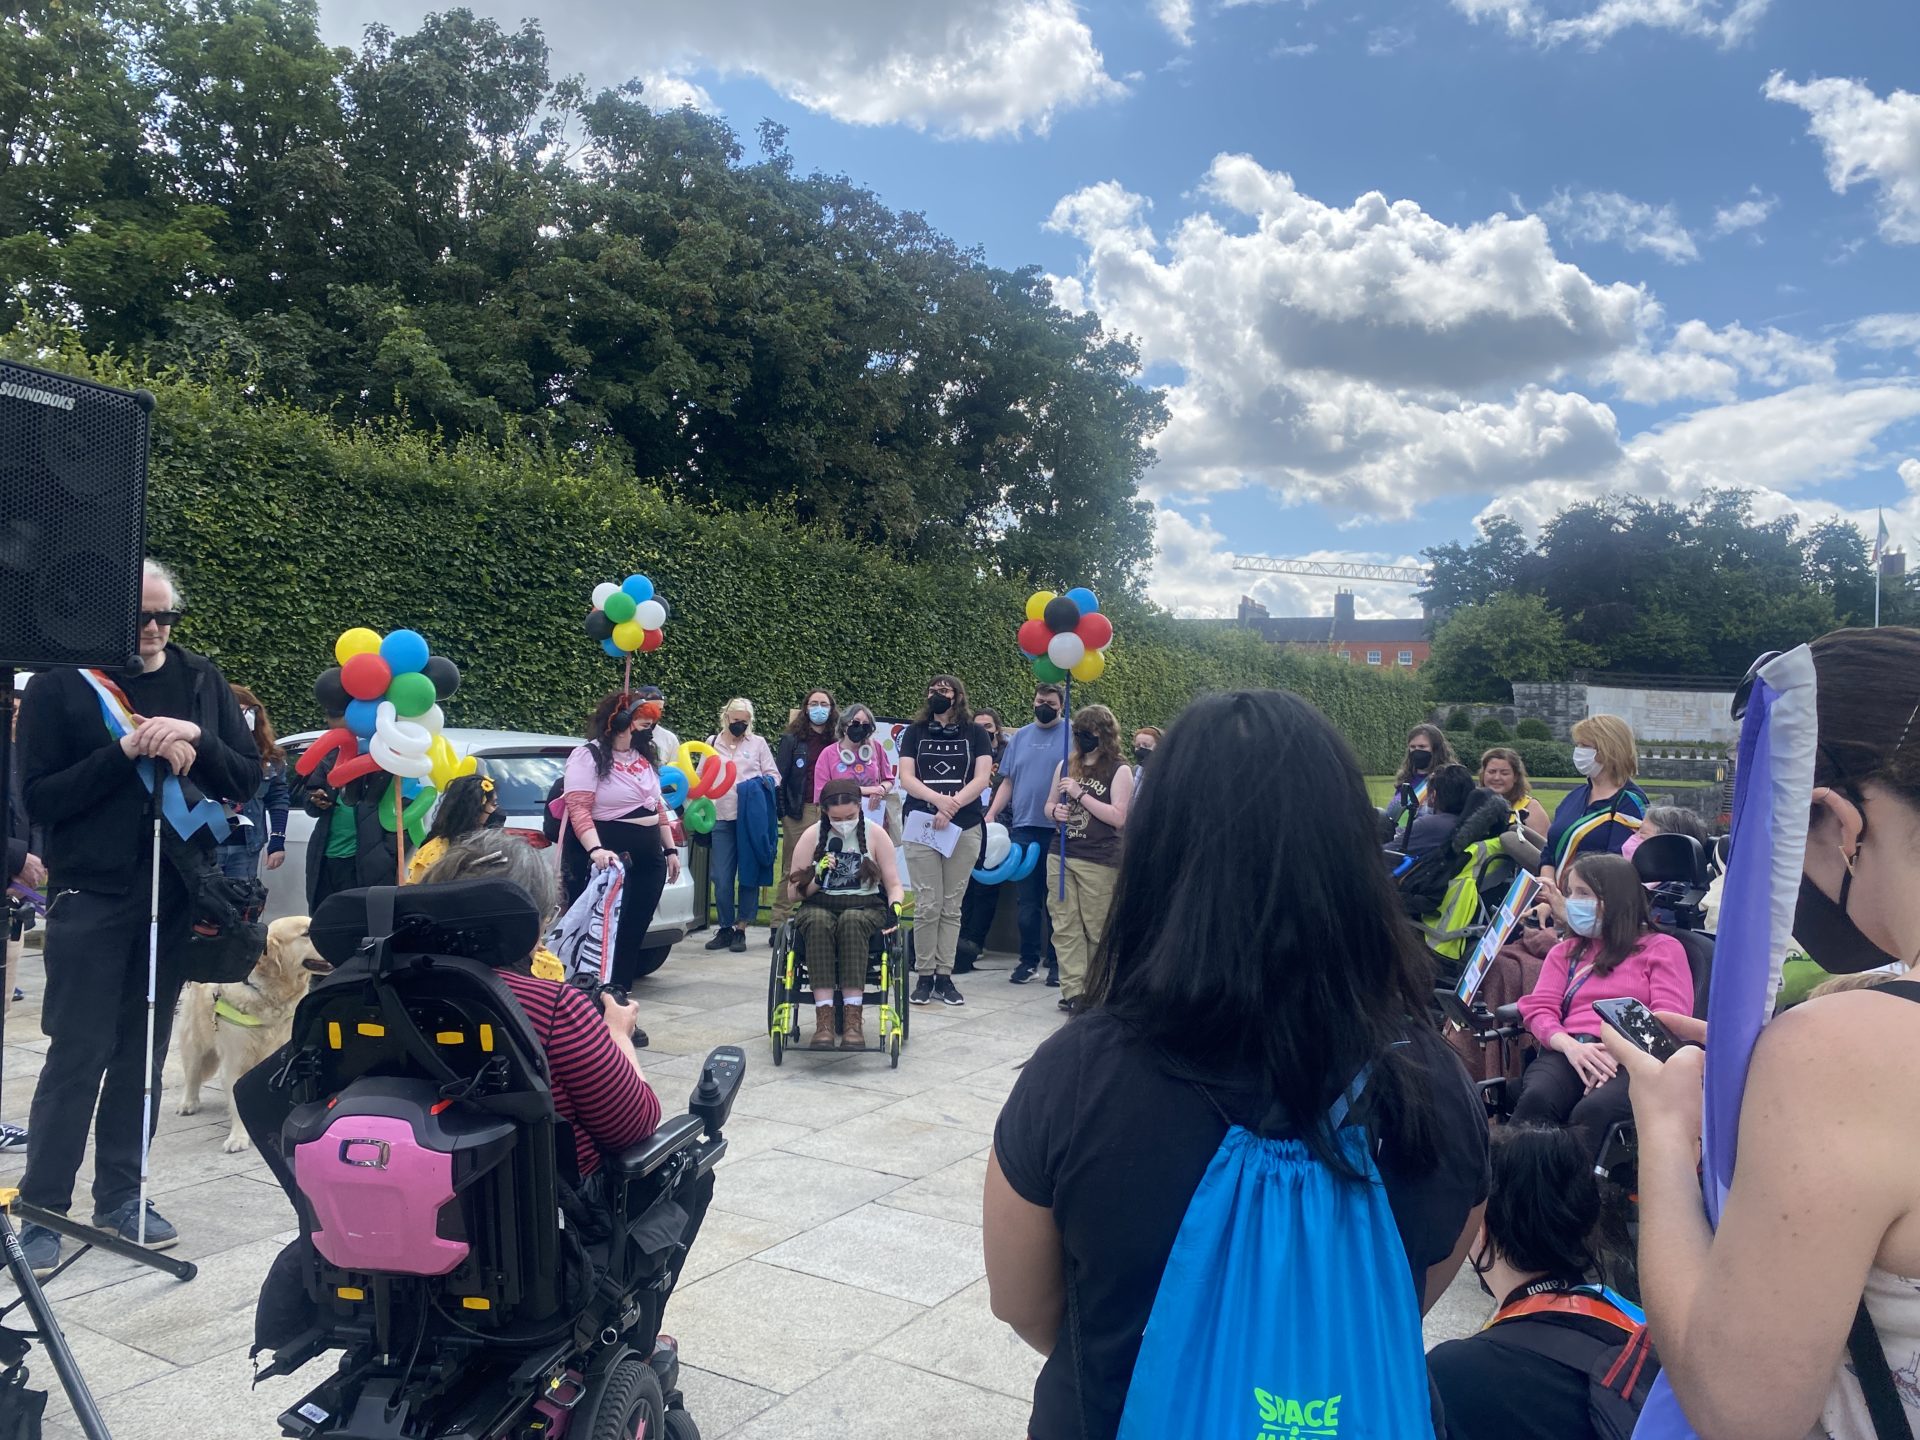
[(286, 529), (1541, 757)]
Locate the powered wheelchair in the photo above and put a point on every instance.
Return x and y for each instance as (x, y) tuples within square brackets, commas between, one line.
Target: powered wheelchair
[(477, 1288), (890, 961)]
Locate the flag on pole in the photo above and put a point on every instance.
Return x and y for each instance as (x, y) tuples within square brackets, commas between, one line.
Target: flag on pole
[(1773, 789), (1880, 541)]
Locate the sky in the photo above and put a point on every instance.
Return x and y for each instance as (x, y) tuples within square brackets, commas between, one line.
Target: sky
[(1399, 264)]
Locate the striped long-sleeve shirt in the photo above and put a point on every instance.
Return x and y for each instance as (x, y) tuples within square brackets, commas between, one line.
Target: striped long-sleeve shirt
[(594, 1086)]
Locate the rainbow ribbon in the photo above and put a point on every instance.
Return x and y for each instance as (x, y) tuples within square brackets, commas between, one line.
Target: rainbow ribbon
[(186, 813)]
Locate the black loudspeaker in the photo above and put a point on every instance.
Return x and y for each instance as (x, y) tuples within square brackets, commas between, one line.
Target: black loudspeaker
[(73, 518)]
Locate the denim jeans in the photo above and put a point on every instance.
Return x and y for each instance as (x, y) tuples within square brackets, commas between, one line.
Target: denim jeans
[(723, 869), (1036, 928)]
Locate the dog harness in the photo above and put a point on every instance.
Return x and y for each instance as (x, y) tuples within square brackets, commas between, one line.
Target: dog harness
[(235, 1016)]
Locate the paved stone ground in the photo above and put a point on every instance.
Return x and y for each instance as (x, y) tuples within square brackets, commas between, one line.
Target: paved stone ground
[(837, 1289)]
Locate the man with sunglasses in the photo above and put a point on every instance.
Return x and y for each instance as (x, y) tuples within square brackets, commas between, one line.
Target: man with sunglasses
[(91, 742)]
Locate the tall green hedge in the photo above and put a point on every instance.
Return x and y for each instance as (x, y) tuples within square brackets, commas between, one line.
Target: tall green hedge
[(286, 529)]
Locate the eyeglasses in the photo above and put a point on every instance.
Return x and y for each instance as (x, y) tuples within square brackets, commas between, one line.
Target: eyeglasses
[(165, 619)]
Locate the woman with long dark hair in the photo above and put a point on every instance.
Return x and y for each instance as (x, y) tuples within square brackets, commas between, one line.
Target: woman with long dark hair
[(809, 735), (946, 761), (1252, 967), (1428, 749), (849, 886), (615, 812), (467, 808), (1091, 792), (1613, 953), (266, 813)]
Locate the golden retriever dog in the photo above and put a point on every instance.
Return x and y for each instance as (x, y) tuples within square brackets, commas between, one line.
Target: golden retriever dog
[(225, 1030)]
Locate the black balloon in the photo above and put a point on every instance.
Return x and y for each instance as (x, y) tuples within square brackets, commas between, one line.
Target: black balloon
[(1061, 615), (444, 674), (599, 627), (330, 692)]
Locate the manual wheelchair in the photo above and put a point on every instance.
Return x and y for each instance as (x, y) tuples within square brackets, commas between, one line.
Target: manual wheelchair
[(790, 991), (479, 1290)]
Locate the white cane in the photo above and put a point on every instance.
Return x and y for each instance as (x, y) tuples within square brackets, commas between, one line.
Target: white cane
[(153, 985)]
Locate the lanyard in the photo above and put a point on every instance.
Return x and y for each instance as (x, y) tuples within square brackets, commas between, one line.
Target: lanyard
[(1575, 979)]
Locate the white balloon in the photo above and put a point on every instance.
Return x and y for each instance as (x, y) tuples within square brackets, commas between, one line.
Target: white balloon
[(601, 592), (401, 737), (435, 720), (1066, 650), (651, 614), (997, 846), (407, 767)]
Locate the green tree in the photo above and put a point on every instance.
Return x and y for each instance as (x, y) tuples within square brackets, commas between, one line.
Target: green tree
[(1481, 650)]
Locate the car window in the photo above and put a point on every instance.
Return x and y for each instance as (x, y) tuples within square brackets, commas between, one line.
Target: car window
[(523, 780)]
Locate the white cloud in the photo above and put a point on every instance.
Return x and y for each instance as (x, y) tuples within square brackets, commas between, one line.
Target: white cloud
[(1887, 332), (1700, 362), (1386, 39), (1193, 575), (1804, 436), (1726, 21), (1605, 215), (1306, 47), (1177, 16), (670, 92), (967, 68), (1747, 214), (1910, 476), (1865, 139)]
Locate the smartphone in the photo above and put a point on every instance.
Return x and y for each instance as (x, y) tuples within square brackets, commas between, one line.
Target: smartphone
[(1635, 1021)]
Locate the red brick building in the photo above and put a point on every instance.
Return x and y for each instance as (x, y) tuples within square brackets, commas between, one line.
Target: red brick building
[(1384, 644)]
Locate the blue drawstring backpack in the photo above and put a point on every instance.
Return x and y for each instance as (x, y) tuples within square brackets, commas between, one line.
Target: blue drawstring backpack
[(1285, 1312)]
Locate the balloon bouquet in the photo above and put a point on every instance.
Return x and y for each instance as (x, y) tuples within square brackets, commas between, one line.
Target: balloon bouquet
[(629, 617), (1065, 638), (389, 690)]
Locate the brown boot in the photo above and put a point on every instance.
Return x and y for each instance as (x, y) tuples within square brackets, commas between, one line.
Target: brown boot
[(852, 1037), (822, 1028)]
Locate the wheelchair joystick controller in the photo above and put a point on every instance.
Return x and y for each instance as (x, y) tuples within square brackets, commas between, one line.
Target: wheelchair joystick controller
[(712, 1099)]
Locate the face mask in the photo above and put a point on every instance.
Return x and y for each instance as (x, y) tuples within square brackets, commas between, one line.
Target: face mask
[(860, 732), (1046, 714), (252, 717), (1633, 844), (939, 704), (817, 714), (1143, 754), (1586, 760), (1583, 916), (736, 727), (1831, 937), (845, 828), (1419, 761), (1482, 1266), (1087, 743)]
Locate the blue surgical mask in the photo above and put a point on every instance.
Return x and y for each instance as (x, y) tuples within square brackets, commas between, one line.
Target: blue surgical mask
[(1583, 916), (817, 714)]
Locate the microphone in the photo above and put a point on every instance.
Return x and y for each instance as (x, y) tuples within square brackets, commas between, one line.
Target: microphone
[(834, 847)]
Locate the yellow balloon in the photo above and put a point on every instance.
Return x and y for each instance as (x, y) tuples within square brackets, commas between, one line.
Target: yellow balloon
[(1092, 666), (692, 752), (1036, 605), (628, 634), (357, 641), (448, 764)]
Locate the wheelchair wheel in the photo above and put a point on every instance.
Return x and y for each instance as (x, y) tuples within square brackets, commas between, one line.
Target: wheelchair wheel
[(778, 1008), (628, 1404)]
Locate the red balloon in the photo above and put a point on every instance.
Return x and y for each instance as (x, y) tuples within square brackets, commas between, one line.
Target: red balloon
[(366, 676), (652, 640), (1094, 631), (345, 772), (1034, 636)]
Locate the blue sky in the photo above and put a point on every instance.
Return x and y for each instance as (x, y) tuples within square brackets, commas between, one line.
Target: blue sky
[(1401, 262)]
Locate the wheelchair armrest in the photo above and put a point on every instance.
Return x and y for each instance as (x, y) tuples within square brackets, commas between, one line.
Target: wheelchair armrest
[(1507, 1014), (651, 1153)]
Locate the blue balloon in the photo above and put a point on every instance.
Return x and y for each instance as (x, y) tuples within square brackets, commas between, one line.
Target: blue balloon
[(673, 786), (1019, 864), (639, 587), (405, 652), (1084, 598), (362, 716), (411, 788), (613, 649)]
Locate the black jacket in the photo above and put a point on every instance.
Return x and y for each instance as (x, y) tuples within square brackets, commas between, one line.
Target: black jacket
[(85, 794), (376, 854), (795, 791)]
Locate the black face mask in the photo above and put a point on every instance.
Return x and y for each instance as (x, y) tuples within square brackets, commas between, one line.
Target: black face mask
[(859, 732), (1143, 754), (737, 727), (1087, 743), (1831, 937), (1046, 714), (1419, 761), (939, 704)]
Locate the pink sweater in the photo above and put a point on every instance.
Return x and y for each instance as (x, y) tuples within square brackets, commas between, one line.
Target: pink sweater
[(1655, 973)]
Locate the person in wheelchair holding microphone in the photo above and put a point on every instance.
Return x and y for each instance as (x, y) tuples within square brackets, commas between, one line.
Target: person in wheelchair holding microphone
[(847, 876)]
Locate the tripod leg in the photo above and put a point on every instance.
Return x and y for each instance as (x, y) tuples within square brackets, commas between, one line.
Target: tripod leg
[(49, 1335)]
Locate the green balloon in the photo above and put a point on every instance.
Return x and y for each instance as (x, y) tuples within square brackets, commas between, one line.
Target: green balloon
[(411, 694), (620, 607), (1045, 669), (700, 815)]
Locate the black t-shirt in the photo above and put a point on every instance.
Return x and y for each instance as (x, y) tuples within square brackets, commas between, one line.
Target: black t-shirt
[(943, 757), (1494, 1389), (1102, 1130), (167, 691)]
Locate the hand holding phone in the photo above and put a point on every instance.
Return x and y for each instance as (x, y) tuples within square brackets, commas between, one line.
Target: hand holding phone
[(1636, 1022)]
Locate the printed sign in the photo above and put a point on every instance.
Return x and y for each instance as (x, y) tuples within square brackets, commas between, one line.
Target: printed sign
[(1521, 895)]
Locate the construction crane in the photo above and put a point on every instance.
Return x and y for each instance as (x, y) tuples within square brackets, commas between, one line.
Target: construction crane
[(1333, 569)]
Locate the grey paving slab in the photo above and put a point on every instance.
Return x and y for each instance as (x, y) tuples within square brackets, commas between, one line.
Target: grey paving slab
[(890, 1143), (182, 1321), (950, 1194), (891, 1252), (807, 1100), (778, 1329), (952, 1105), (872, 1396), (749, 1135), (726, 1239), (800, 1188), (960, 1339), (718, 1405)]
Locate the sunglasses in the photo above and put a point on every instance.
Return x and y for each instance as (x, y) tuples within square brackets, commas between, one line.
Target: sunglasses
[(165, 619)]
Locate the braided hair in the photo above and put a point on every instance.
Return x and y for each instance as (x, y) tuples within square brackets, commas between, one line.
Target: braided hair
[(868, 869)]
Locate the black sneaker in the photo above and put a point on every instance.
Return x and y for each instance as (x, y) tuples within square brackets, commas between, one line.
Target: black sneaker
[(125, 1222), (943, 987), (1073, 1006), (12, 1137), (42, 1249), (1053, 977), (723, 938), (923, 992), (738, 943), (1023, 972)]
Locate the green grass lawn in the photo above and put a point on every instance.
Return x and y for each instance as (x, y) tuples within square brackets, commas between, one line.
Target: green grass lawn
[(1549, 792)]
